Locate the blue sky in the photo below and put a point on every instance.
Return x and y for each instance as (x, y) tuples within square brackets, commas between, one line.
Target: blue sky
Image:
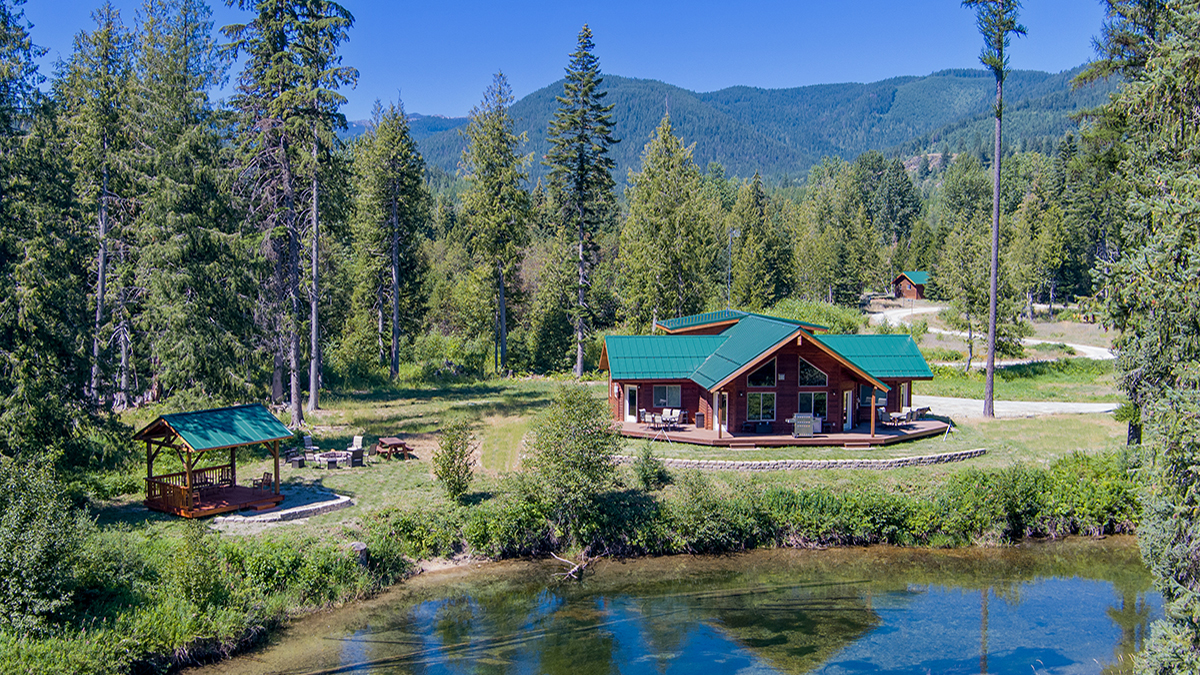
[(440, 55)]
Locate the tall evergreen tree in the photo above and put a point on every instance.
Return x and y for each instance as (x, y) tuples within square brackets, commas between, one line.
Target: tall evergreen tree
[(761, 257), (323, 27), (93, 87), (581, 171), (666, 244), (193, 270), (496, 205), (283, 93), (392, 204), (997, 20), (1153, 300)]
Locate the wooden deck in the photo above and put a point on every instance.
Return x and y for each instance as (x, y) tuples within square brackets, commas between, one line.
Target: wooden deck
[(859, 437), (221, 500)]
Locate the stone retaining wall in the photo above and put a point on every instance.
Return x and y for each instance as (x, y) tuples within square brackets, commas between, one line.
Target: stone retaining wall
[(806, 464)]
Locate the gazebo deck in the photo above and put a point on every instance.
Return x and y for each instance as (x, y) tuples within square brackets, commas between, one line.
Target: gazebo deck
[(220, 500), (859, 437)]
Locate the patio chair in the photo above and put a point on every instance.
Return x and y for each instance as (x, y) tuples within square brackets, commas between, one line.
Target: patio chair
[(264, 483), (372, 452), (308, 445), (356, 458), (884, 416), (356, 445), (310, 457)]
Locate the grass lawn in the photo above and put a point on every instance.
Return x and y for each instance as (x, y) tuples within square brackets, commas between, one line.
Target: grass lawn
[(504, 410), (1081, 380)]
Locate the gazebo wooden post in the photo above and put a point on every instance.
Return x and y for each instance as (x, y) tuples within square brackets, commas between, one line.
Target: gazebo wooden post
[(233, 465), (275, 454), (149, 468)]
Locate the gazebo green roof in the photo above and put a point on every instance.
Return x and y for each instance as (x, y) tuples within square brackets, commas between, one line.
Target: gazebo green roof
[(220, 427)]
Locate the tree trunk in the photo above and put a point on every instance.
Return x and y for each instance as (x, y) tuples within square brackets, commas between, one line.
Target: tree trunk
[(101, 280), (1051, 306), (502, 320), (970, 344), (989, 383), (121, 398), (582, 300), (277, 377), (395, 360), (314, 364), (293, 286)]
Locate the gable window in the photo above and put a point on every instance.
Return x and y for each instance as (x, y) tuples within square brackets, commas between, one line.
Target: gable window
[(760, 406), (815, 402), (809, 376), (763, 377), (667, 396)]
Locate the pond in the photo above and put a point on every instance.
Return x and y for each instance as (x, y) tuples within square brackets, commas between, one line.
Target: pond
[(1065, 607)]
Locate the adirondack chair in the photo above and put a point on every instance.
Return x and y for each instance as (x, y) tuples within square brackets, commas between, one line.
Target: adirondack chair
[(356, 445)]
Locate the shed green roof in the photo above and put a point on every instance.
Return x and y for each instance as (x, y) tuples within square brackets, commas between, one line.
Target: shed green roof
[(658, 357), (883, 356), (919, 278), (223, 427)]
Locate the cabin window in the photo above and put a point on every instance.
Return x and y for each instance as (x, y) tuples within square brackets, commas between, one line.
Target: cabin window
[(763, 377), (667, 396), (810, 376), (760, 406), (815, 402)]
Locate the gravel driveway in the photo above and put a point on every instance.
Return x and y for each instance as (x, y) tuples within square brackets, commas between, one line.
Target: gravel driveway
[(969, 407)]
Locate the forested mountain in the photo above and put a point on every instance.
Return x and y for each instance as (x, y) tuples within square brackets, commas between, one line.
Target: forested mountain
[(783, 132)]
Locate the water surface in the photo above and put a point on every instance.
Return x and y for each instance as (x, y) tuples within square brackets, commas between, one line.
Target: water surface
[(1075, 606)]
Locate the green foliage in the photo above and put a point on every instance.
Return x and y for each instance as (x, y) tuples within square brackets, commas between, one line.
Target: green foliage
[(839, 320), (666, 251), (452, 460), (41, 535), (573, 445), (434, 533), (650, 471), (516, 523)]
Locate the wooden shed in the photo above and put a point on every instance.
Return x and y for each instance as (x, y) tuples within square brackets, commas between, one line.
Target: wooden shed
[(910, 285), (195, 491)]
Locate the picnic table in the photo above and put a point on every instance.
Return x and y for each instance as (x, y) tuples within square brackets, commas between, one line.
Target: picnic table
[(391, 445)]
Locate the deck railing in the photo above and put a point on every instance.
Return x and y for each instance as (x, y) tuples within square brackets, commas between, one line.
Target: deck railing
[(170, 490)]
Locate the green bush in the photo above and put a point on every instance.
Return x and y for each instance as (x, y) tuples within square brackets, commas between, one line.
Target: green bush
[(432, 533), (41, 538), (452, 459), (650, 472)]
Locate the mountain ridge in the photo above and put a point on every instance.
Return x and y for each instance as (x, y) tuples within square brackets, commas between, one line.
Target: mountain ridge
[(781, 133)]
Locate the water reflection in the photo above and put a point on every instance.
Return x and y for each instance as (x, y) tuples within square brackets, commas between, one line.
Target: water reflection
[(1063, 608)]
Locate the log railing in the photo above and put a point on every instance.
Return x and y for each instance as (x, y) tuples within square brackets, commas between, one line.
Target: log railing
[(170, 490)]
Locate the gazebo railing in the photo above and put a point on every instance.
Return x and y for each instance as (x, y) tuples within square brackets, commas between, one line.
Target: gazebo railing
[(171, 489)]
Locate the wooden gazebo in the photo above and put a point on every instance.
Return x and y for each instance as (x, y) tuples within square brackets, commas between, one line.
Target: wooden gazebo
[(196, 492)]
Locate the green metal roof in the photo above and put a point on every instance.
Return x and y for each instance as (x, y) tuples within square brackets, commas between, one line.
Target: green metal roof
[(723, 315), (225, 427), (743, 343), (658, 357), (919, 278), (882, 356)]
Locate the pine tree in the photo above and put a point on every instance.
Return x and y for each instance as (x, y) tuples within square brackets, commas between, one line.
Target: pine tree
[(761, 258), (194, 269), (392, 204), (666, 244), (997, 20), (93, 87), (45, 403), (581, 171), (496, 205), (271, 103), (323, 27)]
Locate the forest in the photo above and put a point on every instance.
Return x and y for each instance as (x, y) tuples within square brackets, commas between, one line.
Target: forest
[(160, 246)]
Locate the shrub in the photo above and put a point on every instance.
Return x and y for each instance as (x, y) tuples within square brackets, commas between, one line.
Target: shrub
[(41, 537), (650, 472), (452, 460), (428, 534), (573, 447)]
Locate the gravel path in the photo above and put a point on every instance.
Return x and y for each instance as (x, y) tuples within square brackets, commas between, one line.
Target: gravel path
[(969, 407), (904, 315)]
